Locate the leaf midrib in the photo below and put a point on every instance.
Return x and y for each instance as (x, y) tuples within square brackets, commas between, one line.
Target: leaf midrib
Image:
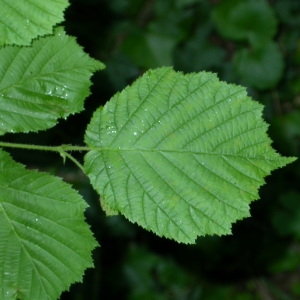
[(182, 151)]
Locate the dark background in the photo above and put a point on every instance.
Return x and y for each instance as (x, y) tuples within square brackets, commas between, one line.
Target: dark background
[(261, 260)]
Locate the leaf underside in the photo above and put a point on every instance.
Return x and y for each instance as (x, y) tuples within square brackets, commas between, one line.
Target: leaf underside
[(181, 155), (45, 243), (42, 83), (22, 21)]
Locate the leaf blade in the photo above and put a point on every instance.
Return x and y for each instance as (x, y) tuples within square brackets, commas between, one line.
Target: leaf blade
[(45, 243), (181, 155), (22, 21), (40, 84)]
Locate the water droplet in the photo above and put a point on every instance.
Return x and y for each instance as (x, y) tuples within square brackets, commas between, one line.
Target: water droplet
[(111, 130), (50, 93), (27, 23), (135, 133)]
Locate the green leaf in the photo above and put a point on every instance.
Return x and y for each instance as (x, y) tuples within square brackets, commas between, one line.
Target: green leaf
[(181, 155), (22, 21), (261, 68), (251, 20), (42, 83), (45, 243)]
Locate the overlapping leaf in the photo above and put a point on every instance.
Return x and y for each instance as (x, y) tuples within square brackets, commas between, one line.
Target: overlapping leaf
[(45, 243), (42, 83), (22, 21), (181, 155)]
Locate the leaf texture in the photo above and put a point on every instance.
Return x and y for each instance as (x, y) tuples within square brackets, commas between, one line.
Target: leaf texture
[(22, 21), (45, 243), (181, 155), (43, 83)]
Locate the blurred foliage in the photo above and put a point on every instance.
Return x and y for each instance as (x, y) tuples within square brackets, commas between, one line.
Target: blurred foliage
[(255, 43)]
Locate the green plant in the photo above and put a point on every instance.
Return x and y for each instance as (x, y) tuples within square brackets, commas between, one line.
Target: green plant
[(181, 155)]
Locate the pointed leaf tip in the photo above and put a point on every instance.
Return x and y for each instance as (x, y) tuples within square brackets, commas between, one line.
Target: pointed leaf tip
[(181, 155)]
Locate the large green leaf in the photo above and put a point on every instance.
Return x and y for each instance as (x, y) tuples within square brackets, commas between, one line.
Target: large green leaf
[(22, 21), (42, 83), (181, 155), (252, 20), (45, 243)]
